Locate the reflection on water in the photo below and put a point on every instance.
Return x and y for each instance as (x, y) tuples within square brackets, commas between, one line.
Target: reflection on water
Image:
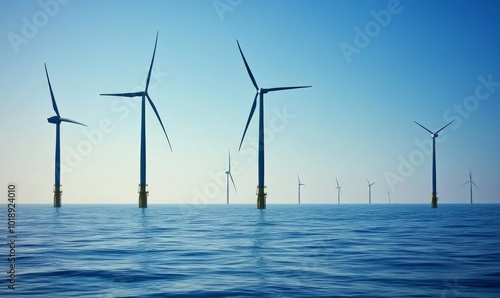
[(238, 250)]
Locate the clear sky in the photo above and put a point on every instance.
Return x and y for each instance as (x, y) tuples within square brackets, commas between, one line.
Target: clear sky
[(375, 67)]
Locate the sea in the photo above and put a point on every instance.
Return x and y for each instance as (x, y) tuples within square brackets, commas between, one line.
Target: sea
[(397, 250)]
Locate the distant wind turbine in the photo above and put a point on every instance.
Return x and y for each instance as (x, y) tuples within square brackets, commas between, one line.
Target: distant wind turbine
[(471, 183), (261, 195), (370, 191), (299, 185), (339, 190), (389, 195), (57, 121), (143, 193), (229, 175), (434, 135)]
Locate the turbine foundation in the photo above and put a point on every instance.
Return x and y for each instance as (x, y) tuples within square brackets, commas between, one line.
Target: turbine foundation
[(57, 195), (434, 201), (143, 196), (261, 198)]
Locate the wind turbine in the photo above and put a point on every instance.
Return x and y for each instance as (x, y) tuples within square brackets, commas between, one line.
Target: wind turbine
[(229, 175), (143, 194), (339, 190), (389, 195), (57, 121), (299, 185), (434, 135), (471, 183), (261, 195), (370, 190)]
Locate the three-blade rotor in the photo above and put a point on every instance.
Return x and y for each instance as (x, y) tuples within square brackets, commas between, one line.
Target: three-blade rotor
[(56, 119), (230, 173), (339, 187), (144, 94), (298, 179), (470, 180), (261, 91), (434, 134)]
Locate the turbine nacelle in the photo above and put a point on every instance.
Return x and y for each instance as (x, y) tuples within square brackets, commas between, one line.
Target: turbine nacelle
[(54, 120)]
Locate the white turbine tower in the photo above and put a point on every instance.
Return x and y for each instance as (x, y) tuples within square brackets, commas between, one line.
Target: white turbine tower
[(339, 190), (471, 183), (370, 191), (299, 185), (229, 176)]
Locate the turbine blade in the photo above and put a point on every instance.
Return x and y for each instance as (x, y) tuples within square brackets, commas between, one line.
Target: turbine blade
[(247, 67), (445, 126), (474, 184), (231, 176), (252, 110), (286, 88), (466, 183), (71, 121), (229, 154), (54, 105), (423, 127), (368, 181), (132, 94), (298, 178), (337, 181), (159, 119), (151, 66)]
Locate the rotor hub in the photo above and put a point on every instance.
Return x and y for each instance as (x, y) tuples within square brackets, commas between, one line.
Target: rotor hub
[(54, 120)]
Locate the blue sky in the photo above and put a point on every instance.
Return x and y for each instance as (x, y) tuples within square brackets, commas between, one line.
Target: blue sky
[(429, 61)]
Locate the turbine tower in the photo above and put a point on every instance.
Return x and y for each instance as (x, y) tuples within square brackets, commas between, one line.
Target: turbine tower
[(229, 175), (339, 190), (143, 193), (389, 195), (434, 135), (370, 191), (261, 195), (299, 185), (57, 121), (471, 183)]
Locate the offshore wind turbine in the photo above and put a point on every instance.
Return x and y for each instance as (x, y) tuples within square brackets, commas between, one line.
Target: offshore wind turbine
[(389, 195), (261, 195), (57, 121), (471, 183), (143, 193), (299, 185), (434, 135), (339, 190), (229, 175), (370, 191)]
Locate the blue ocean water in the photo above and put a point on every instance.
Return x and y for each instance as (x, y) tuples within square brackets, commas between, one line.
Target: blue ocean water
[(239, 251)]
